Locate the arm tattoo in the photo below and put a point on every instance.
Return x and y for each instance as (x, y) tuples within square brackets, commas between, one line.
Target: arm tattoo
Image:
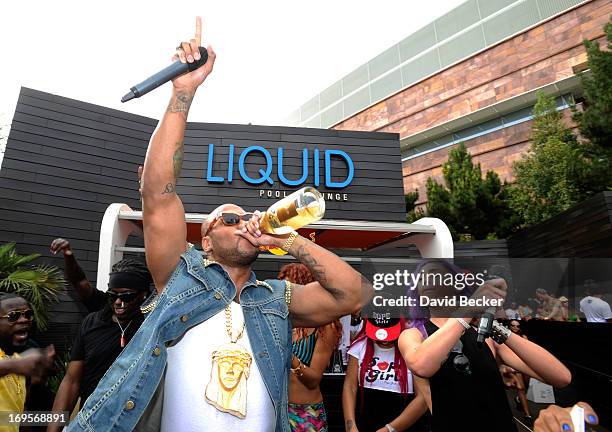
[(168, 189), (317, 270), (349, 425), (180, 103), (177, 160)]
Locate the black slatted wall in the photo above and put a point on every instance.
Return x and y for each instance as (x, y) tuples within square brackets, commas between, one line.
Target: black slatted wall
[(583, 231), (67, 160)]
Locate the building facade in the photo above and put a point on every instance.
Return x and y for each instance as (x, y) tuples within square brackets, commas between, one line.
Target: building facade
[(470, 76)]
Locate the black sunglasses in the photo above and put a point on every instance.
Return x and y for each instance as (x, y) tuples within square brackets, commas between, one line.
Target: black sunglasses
[(229, 218), (124, 297), (13, 316)]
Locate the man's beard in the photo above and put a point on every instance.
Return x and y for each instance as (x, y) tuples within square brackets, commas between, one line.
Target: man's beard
[(235, 256)]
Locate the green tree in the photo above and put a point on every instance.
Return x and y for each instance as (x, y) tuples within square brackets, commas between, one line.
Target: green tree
[(595, 121), (470, 206), (39, 285), (413, 212), (553, 176)]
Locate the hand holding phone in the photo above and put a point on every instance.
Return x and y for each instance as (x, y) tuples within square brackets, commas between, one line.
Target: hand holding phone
[(577, 415)]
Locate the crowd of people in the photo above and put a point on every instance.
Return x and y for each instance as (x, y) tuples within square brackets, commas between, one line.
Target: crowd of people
[(545, 306), (391, 363), (186, 343)]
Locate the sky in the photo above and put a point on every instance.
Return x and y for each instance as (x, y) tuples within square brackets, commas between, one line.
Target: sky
[(272, 56)]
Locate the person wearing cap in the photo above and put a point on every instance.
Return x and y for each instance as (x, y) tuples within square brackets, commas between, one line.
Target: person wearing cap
[(103, 334), (377, 369)]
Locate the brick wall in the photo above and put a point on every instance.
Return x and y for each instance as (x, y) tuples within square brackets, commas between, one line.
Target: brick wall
[(495, 151), (532, 59)]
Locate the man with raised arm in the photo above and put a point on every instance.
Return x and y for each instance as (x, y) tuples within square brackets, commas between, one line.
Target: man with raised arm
[(214, 352)]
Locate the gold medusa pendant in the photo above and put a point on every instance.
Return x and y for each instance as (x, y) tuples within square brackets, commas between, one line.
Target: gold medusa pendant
[(227, 388)]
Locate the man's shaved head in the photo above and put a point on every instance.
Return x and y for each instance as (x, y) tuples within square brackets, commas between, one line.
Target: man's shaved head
[(223, 244), (216, 212)]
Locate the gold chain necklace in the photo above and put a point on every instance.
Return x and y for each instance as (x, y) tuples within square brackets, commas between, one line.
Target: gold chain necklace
[(228, 325), (230, 369)]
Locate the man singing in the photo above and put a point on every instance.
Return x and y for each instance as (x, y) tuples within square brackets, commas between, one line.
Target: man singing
[(215, 349)]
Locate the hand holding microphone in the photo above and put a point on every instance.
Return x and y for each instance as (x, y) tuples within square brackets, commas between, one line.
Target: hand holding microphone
[(495, 287), (189, 57)]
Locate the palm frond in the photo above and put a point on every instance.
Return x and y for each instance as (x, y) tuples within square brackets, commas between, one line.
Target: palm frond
[(5, 248), (39, 285), (26, 259), (10, 260)]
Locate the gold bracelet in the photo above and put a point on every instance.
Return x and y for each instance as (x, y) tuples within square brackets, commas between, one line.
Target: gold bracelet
[(289, 241), (299, 371)]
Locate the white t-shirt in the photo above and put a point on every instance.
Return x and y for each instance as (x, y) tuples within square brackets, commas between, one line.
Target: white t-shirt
[(345, 340), (595, 309), (382, 374), (188, 373), (512, 314)]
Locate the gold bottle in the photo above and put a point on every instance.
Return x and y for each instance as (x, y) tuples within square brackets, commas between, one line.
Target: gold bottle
[(295, 211)]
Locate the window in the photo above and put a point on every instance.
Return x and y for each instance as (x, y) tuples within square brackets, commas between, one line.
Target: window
[(507, 120)]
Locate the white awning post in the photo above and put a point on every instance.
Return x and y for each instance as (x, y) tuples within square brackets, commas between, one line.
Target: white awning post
[(430, 235), (113, 235), (439, 245)]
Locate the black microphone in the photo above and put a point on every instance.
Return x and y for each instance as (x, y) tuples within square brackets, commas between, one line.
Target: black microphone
[(486, 320), (484, 327), (163, 76)]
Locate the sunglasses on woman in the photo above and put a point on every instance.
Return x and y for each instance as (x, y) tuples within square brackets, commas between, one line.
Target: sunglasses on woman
[(229, 219), (13, 316), (126, 297)]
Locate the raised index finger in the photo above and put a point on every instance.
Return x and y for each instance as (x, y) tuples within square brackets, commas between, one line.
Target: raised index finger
[(198, 32)]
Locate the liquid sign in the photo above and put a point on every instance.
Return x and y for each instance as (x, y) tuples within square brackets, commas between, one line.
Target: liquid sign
[(265, 172)]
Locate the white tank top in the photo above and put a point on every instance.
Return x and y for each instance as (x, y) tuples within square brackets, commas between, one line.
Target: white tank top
[(188, 373)]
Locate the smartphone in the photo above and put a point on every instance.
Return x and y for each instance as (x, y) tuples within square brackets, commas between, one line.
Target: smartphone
[(577, 414)]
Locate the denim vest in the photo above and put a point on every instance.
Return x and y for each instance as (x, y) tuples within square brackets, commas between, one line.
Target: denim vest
[(130, 395)]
